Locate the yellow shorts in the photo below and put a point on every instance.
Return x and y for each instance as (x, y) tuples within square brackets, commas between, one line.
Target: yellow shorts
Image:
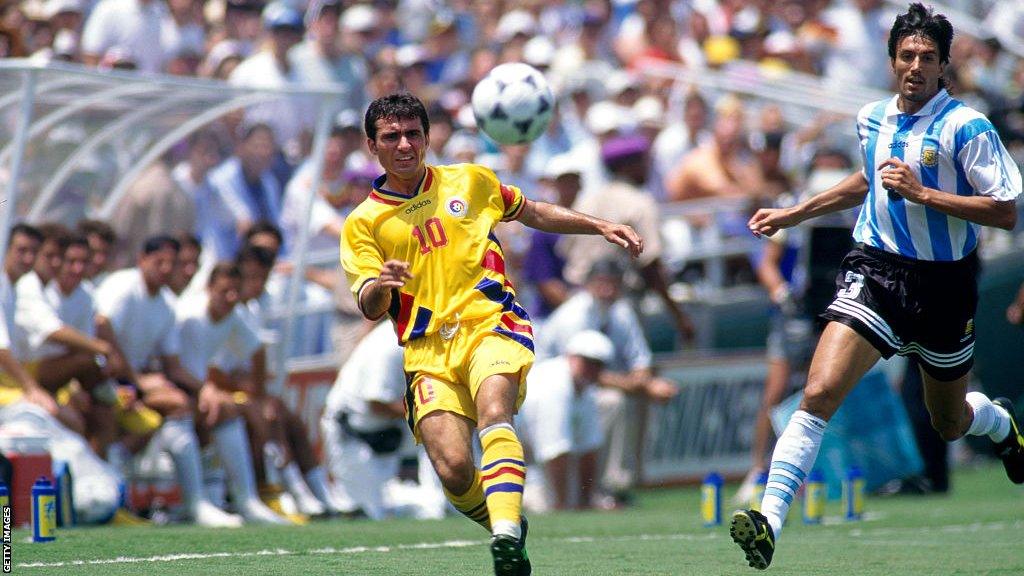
[(10, 389), (446, 374)]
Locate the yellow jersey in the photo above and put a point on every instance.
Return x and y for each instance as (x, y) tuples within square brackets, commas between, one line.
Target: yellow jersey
[(445, 231)]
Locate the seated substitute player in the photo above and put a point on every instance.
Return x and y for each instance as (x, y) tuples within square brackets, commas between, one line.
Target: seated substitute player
[(205, 322), (935, 173), (421, 248)]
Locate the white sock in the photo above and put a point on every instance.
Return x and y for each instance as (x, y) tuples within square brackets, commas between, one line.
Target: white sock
[(178, 437), (792, 460), (316, 479), (296, 484), (508, 528), (988, 418), (233, 448)]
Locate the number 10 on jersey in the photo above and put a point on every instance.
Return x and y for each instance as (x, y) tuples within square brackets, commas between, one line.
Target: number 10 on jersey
[(430, 236)]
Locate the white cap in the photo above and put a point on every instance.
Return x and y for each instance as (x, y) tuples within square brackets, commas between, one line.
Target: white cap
[(649, 111), (359, 18), (562, 164), (54, 7), (604, 117), (515, 22), (592, 345), (539, 51), (410, 54), (619, 81)]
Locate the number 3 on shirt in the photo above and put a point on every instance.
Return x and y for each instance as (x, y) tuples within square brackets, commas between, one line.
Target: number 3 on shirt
[(434, 237), (856, 282)]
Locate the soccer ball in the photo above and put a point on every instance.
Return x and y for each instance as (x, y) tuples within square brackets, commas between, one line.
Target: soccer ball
[(513, 104)]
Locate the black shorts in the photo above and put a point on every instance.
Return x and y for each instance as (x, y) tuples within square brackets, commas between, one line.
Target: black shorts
[(910, 307)]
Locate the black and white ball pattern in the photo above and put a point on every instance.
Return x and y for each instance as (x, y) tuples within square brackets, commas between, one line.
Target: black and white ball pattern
[(513, 104)]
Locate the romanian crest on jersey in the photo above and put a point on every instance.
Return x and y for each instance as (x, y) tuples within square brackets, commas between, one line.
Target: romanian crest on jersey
[(456, 207), (929, 157)]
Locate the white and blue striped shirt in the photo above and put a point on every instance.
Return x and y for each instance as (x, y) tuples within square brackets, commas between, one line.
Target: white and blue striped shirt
[(949, 147)]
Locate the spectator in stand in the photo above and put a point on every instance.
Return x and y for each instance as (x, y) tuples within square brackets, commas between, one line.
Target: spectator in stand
[(625, 200), (545, 265), (135, 315), (601, 306), (724, 167), (153, 204), (329, 202), (271, 68), (16, 381), (860, 27), (561, 423), (101, 238), (65, 19), (320, 60), (191, 174), (130, 25), (244, 191), (679, 138), (182, 30)]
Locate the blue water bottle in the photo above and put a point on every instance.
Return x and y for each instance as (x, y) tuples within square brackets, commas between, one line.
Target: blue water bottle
[(65, 499), (44, 510), (814, 497), (853, 494), (711, 500), (758, 493)]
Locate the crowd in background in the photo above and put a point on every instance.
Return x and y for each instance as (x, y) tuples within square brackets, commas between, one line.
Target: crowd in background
[(621, 145)]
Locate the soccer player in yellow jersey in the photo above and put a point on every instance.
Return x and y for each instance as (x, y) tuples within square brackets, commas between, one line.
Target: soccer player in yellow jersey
[(421, 249)]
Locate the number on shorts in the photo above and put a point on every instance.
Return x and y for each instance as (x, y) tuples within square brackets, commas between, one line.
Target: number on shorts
[(856, 282), (426, 391)]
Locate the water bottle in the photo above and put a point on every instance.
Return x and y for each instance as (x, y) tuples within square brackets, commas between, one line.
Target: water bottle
[(711, 500), (44, 510), (758, 493), (853, 494), (814, 497), (65, 500)]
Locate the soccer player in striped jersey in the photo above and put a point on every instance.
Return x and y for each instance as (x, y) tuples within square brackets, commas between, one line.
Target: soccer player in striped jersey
[(421, 248), (935, 172)]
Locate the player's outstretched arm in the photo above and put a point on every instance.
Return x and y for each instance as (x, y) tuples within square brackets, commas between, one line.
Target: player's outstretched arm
[(562, 220), (375, 297), (849, 192)]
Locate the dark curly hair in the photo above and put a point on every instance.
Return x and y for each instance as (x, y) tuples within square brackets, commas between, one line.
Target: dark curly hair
[(400, 106), (921, 21)]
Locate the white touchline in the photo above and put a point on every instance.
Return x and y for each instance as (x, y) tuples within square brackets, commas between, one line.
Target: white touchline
[(855, 532), (344, 551)]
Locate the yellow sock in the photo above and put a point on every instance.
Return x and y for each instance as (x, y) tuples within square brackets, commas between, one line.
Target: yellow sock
[(472, 504), (502, 473)]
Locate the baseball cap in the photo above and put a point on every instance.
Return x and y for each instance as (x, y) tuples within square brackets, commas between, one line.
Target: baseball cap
[(359, 18), (514, 23), (560, 165), (280, 15), (620, 147), (592, 345), (604, 117), (539, 51)]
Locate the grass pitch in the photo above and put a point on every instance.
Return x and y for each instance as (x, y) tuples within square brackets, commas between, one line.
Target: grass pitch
[(976, 531)]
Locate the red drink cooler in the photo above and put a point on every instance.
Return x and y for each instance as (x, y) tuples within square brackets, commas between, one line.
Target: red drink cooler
[(30, 460)]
